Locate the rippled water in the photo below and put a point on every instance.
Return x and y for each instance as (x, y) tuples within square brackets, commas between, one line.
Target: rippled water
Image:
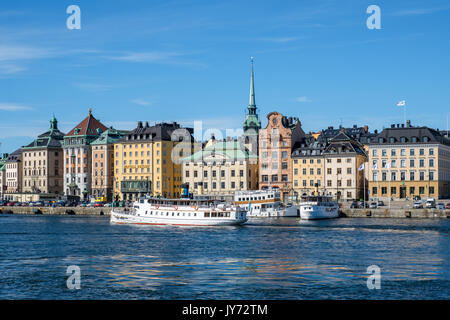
[(265, 259)]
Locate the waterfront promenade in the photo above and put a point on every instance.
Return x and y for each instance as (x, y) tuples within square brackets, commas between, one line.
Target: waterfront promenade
[(381, 212)]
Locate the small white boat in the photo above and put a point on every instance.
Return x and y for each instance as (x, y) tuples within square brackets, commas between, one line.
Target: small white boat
[(264, 203), (179, 212), (318, 207)]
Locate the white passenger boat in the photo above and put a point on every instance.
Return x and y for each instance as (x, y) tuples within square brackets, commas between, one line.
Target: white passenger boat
[(179, 212), (318, 207), (264, 203)]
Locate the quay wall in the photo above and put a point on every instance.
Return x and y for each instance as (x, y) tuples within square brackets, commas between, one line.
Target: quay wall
[(82, 211), (346, 212)]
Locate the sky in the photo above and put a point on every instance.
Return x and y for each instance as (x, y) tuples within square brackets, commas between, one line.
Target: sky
[(186, 61)]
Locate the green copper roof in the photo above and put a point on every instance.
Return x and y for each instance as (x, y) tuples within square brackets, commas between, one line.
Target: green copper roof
[(109, 136), (230, 150)]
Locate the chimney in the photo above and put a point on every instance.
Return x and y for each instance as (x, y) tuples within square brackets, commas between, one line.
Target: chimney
[(376, 131), (403, 125), (139, 124), (146, 124), (392, 125)]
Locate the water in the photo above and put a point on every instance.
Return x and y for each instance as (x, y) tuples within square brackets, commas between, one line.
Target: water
[(266, 259)]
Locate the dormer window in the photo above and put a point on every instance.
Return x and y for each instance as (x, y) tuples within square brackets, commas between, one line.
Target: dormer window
[(414, 139), (426, 139), (391, 140), (380, 140), (403, 139)]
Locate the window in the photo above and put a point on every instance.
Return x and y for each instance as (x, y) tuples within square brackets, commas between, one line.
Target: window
[(431, 162), (284, 165), (375, 152), (431, 151), (265, 178), (328, 170), (412, 190), (422, 163), (349, 170), (295, 171), (421, 175), (383, 153), (403, 152), (274, 178), (393, 152), (411, 163), (411, 152), (284, 178), (284, 154), (431, 175), (421, 152), (412, 176), (393, 176), (403, 163)]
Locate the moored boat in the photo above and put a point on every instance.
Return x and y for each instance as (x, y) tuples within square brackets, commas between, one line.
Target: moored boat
[(179, 212), (318, 207), (264, 203)]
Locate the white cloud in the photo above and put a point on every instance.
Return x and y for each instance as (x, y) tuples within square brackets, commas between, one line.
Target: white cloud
[(302, 99), (154, 56), (141, 102), (13, 107)]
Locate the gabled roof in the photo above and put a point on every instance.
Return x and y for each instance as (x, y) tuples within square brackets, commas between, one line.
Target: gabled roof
[(158, 132), (88, 127)]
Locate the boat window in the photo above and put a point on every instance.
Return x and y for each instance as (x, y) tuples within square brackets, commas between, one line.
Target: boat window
[(206, 214), (173, 213), (195, 214), (167, 213), (189, 214)]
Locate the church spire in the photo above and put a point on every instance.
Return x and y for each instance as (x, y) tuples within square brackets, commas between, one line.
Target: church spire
[(251, 103)]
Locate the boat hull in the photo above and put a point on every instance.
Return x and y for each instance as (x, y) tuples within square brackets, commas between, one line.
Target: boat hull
[(121, 218), (311, 212)]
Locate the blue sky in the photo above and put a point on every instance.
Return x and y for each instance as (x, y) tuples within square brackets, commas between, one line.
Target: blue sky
[(190, 60)]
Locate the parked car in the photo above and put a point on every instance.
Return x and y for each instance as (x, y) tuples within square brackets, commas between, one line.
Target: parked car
[(431, 203), (98, 204), (10, 204), (418, 205), (107, 205), (90, 204), (447, 206), (373, 205), (380, 203), (363, 204), (354, 205), (416, 198), (440, 206)]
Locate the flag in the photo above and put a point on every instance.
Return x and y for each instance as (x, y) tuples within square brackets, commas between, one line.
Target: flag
[(401, 103), (374, 166), (361, 167)]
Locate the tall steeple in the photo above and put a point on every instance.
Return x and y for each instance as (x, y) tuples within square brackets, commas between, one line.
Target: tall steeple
[(251, 118), (53, 124), (251, 103)]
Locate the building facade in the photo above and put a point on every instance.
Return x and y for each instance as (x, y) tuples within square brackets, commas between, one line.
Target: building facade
[(78, 156), (13, 172), (43, 163), (3, 175), (407, 161), (144, 163), (221, 168), (330, 167), (276, 143), (103, 163)]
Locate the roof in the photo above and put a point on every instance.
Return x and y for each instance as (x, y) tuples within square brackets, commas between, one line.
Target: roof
[(222, 150), (410, 135), (159, 132), (49, 139), (109, 136), (88, 127), (15, 156)]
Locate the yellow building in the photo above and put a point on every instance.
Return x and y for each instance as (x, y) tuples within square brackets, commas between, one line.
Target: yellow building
[(406, 161), (144, 163)]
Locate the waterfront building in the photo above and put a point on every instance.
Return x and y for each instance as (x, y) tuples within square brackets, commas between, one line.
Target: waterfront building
[(276, 142), (3, 175), (13, 172), (103, 163), (78, 156), (252, 124), (221, 168), (407, 161), (330, 166), (144, 164), (43, 163)]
